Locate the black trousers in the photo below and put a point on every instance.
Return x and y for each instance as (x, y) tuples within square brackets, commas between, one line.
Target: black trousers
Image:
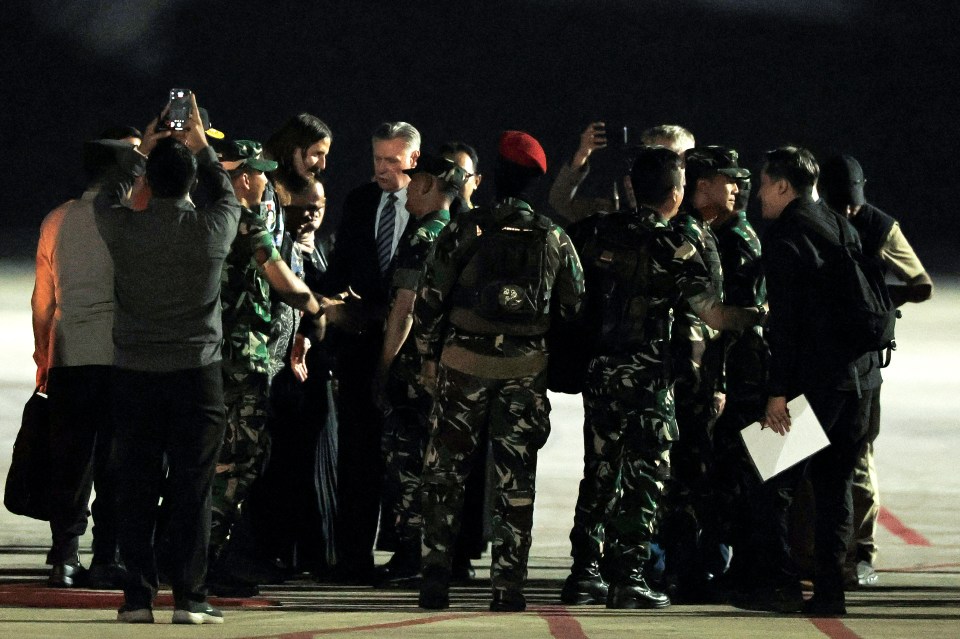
[(846, 419), (360, 464), (83, 454), (178, 415)]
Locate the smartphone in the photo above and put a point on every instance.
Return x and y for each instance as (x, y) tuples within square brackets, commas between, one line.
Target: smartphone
[(180, 108)]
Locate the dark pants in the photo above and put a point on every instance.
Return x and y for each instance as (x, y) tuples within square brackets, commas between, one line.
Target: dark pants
[(360, 464), (846, 419), (179, 415), (82, 454)]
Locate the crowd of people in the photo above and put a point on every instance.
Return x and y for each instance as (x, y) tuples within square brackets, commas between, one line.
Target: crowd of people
[(254, 401)]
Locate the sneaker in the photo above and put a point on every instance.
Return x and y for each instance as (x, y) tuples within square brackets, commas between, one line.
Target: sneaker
[(133, 614), (197, 612), (866, 575)]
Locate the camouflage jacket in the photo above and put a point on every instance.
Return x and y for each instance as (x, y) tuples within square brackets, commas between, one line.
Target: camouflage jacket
[(747, 355), (691, 334), (412, 252), (499, 355), (245, 296), (677, 276), (285, 318), (739, 247)]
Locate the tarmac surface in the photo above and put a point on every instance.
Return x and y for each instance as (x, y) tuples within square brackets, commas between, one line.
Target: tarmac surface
[(918, 594)]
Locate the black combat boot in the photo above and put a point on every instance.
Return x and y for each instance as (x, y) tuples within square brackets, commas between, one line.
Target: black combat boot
[(435, 588), (402, 568), (632, 591), (584, 585), (508, 601)]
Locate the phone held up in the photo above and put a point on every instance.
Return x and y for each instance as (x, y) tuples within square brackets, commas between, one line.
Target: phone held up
[(179, 112)]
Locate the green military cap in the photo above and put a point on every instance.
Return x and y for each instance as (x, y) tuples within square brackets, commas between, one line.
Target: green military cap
[(442, 168), (245, 152), (703, 161)]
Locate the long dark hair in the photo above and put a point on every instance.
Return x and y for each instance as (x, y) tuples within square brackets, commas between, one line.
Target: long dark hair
[(299, 132)]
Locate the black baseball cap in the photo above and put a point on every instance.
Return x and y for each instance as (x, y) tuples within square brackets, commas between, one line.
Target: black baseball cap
[(841, 182)]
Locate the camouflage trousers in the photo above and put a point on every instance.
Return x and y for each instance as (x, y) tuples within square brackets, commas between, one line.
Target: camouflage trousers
[(690, 528), (405, 433), (629, 425), (516, 412), (243, 455)]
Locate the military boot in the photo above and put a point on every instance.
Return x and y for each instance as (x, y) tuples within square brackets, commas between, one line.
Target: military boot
[(435, 588), (632, 591), (584, 585)]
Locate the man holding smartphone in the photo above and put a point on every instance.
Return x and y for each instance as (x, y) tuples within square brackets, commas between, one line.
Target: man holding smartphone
[(167, 338)]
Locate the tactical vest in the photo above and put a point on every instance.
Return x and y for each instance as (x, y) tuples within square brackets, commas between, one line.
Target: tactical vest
[(502, 287), (618, 266)]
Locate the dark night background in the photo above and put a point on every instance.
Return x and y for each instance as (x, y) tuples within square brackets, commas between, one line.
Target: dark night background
[(876, 79)]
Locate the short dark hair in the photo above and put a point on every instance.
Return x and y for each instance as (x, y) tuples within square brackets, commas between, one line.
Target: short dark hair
[(656, 172), (452, 148), (171, 169), (97, 160), (794, 164)]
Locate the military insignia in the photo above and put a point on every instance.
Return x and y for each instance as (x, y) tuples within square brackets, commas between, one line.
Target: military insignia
[(685, 251), (511, 297)]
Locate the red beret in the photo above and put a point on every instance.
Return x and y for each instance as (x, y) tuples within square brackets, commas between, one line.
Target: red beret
[(520, 148)]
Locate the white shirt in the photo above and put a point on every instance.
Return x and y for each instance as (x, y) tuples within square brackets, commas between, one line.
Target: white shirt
[(403, 215)]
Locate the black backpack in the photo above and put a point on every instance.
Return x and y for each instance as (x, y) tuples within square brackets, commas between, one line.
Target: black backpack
[(503, 282), (862, 309)]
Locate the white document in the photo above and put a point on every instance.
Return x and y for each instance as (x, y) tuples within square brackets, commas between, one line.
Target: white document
[(772, 453)]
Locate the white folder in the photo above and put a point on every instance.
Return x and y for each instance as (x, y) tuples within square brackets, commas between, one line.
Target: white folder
[(772, 453)]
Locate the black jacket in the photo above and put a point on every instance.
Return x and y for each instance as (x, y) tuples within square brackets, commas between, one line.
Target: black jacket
[(806, 347)]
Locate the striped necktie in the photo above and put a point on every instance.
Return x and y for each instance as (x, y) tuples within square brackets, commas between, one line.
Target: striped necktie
[(388, 221)]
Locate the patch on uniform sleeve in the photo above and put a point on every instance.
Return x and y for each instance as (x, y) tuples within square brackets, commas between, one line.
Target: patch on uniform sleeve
[(685, 251)]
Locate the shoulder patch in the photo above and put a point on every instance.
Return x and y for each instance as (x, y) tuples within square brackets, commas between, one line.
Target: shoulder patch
[(685, 251)]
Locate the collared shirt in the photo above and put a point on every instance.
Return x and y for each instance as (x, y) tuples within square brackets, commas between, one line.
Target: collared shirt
[(403, 215)]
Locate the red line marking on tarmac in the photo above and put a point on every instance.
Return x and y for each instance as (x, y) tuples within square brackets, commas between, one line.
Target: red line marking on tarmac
[(834, 629), (561, 623), (889, 521), (309, 634), (38, 595)]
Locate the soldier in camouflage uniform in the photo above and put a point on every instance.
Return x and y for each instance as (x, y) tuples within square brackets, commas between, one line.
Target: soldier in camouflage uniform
[(252, 269), (481, 316), (434, 184), (693, 552), (747, 357), (638, 270)]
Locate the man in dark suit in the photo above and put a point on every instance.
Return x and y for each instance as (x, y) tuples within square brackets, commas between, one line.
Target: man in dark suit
[(374, 216)]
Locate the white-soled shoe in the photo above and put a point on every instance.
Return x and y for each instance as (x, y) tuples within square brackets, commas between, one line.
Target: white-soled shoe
[(866, 575), (197, 613)]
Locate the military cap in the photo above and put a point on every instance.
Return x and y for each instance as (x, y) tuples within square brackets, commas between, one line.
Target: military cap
[(704, 161), (522, 149), (244, 152), (441, 168)]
